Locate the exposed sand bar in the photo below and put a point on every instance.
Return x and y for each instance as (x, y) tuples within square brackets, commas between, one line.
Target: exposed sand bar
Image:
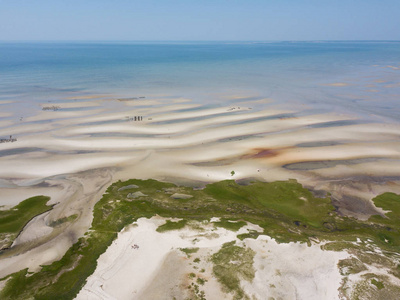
[(183, 142)]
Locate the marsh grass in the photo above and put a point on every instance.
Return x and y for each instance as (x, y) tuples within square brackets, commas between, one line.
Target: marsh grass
[(63, 220), (12, 221)]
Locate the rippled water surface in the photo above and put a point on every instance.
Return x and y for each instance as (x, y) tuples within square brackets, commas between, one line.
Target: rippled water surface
[(360, 77)]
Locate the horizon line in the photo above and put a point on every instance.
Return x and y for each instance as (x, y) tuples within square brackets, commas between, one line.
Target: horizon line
[(191, 41)]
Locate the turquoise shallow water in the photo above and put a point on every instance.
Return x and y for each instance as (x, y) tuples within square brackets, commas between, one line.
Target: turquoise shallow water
[(295, 75)]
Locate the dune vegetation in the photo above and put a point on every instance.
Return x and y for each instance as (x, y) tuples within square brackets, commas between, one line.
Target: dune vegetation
[(285, 210)]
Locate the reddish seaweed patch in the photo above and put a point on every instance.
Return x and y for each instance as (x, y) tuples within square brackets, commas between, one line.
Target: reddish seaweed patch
[(263, 153)]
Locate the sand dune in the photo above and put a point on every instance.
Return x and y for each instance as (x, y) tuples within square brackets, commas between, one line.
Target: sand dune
[(280, 278)]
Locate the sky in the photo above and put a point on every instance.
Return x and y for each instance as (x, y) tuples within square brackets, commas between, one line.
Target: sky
[(201, 20)]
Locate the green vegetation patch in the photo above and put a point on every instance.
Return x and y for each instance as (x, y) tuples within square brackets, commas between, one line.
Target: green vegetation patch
[(388, 227), (230, 225), (378, 284), (201, 281), (232, 264), (63, 220), (189, 251), (252, 234), (64, 278), (171, 225), (12, 221)]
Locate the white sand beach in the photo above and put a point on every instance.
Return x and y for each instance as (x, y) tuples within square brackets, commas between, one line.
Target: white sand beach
[(126, 272)]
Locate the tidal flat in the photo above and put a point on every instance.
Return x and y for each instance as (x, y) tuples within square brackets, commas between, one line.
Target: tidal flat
[(223, 188)]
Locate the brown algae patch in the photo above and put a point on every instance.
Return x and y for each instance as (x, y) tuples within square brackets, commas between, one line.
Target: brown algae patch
[(263, 153)]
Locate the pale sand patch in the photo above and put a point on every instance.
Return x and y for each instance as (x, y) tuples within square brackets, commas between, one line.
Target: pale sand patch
[(59, 115), (7, 101), (35, 229), (80, 104), (173, 107), (293, 271), (181, 196), (181, 100), (124, 272), (197, 113), (173, 128), (50, 166), (6, 123), (392, 85), (88, 97), (143, 102), (259, 101), (5, 114), (338, 84), (22, 129), (105, 115)]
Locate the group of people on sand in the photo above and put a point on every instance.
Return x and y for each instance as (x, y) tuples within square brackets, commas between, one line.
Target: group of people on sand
[(135, 118), (8, 140)]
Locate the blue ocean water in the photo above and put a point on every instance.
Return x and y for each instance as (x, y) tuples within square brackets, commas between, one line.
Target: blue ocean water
[(294, 74)]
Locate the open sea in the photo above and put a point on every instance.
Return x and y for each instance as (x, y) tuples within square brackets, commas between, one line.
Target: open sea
[(361, 78)]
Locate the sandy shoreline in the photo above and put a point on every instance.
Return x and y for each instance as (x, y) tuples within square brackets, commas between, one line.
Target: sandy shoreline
[(232, 133), (74, 155)]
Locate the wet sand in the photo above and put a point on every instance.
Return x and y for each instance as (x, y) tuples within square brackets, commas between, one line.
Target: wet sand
[(74, 153)]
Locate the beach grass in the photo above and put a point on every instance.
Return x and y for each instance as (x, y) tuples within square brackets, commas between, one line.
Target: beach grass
[(170, 225), (230, 224), (232, 264), (189, 251)]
